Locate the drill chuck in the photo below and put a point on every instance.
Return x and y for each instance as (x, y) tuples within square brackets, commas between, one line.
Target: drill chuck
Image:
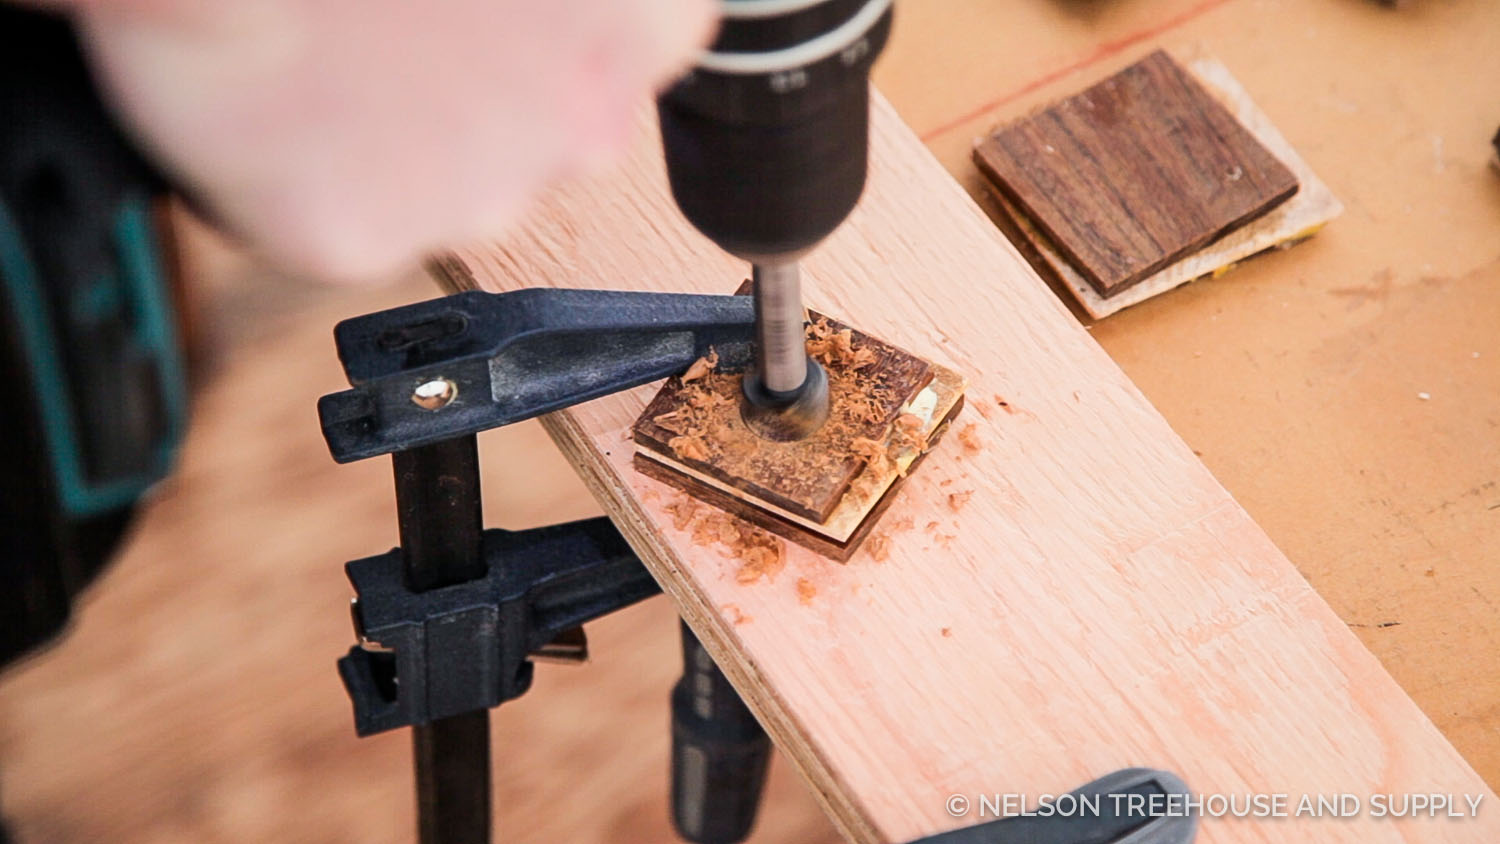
[(767, 139)]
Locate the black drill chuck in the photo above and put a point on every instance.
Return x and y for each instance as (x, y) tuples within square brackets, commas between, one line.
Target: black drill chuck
[(767, 139)]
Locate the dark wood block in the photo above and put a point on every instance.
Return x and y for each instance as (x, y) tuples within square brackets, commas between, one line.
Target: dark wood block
[(830, 547), (1134, 173), (806, 477)]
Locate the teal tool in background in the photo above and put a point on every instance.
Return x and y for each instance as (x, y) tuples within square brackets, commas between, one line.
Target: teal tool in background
[(91, 370)]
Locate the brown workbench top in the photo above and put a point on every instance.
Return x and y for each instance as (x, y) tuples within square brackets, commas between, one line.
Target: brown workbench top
[(1346, 391)]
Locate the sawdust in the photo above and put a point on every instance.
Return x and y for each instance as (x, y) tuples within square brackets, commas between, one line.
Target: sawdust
[(760, 553), (760, 561), (1003, 404), (969, 436), (806, 591), (947, 632), (682, 512), (874, 453), (903, 523), (736, 615), (879, 546), (835, 348), (688, 447), (702, 366), (957, 500), (931, 526), (857, 449)]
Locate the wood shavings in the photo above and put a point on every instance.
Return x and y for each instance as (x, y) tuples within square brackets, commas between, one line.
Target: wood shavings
[(903, 523), (702, 366), (760, 553), (872, 451), (689, 447), (806, 591), (736, 615), (716, 528), (969, 436), (879, 546), (672, 421), (906, 434), (760, 561), (682, 513), (836, 348), (855, 453), (931, 526), (957, 500)]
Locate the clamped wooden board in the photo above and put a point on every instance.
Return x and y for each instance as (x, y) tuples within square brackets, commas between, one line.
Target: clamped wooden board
[(1065, 593)]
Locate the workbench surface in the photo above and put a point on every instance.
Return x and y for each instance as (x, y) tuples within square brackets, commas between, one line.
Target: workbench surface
[(1347, 392)]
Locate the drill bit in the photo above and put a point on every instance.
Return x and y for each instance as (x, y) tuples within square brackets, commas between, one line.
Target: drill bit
[(780, 351), (786, 397)]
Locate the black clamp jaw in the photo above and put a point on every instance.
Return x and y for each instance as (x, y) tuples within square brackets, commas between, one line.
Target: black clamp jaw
[(469, 646)]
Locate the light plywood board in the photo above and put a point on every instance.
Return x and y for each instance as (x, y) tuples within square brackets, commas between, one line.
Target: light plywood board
[(1098, 602), (1296, 219)]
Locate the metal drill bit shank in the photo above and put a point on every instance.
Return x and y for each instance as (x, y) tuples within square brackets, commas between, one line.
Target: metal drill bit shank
[(781, 354), (786, 397)]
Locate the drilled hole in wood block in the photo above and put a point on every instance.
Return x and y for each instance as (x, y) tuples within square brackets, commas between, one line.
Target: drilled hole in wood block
[(888, 407)]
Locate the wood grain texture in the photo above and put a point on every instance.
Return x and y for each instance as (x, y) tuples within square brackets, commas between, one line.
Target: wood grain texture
[(1134, 172), (1096, 602), (1291, 222)]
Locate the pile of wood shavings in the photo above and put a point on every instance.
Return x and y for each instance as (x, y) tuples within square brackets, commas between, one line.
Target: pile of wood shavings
[(705, 427), (760, 553)]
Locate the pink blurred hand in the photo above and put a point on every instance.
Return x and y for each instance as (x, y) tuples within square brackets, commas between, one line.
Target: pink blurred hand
[(346, 137)]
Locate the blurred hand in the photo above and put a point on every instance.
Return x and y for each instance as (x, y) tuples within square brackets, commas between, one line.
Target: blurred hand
[(346, 137)]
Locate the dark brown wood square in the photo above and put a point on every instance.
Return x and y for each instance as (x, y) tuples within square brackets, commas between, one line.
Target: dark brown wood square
[(1134, 173), (698, 423)]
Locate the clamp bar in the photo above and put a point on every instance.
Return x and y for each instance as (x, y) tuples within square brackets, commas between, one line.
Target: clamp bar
[(438, 508), (1114, 809), (461, 364)]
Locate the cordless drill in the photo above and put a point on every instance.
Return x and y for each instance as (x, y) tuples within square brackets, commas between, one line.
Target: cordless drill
[(766, 144)]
